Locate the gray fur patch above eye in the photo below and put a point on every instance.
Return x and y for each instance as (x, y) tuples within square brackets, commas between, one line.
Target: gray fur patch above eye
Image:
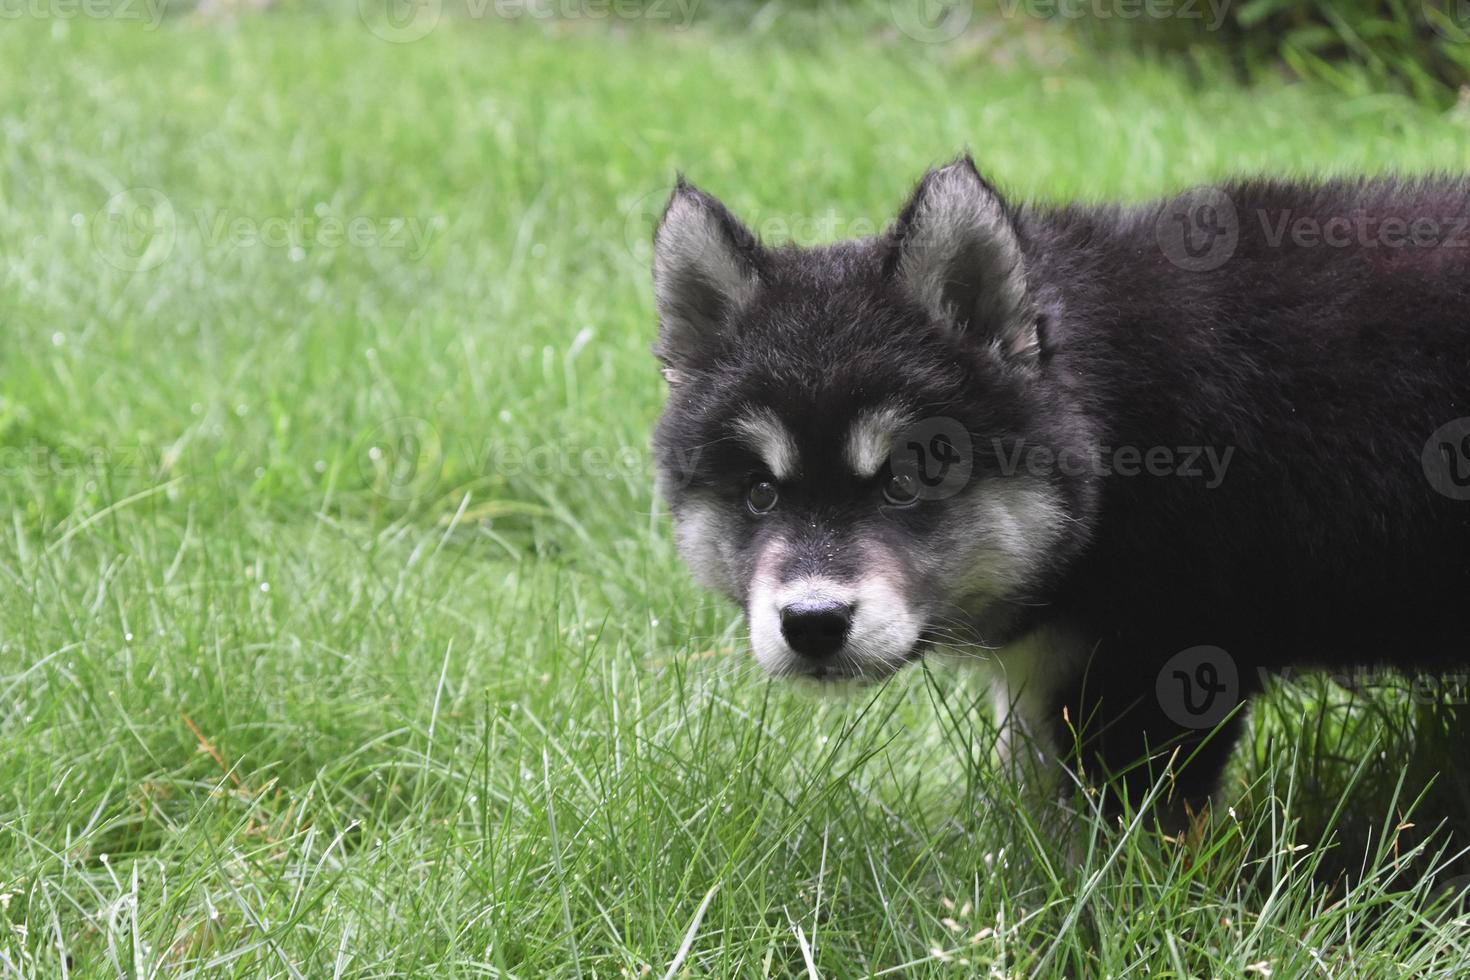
[(768, 438), (870, 440)]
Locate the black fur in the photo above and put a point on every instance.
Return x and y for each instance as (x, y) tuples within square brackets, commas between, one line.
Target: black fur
[(1323, 368)]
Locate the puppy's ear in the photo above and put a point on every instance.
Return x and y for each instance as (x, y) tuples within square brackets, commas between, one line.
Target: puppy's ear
[(955, 249), (706, 266)]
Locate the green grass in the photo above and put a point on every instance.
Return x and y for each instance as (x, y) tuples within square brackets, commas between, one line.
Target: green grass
[(290, 688)]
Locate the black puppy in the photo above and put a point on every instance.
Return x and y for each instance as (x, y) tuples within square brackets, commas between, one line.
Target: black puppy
[(1140, 457)]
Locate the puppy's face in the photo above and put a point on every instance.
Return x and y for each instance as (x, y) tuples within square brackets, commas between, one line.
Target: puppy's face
[(839, 449)]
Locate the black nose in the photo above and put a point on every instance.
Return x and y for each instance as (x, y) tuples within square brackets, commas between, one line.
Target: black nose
[(816, 628)]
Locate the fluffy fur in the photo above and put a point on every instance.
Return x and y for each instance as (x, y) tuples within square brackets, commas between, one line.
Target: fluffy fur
[(1066, 349)]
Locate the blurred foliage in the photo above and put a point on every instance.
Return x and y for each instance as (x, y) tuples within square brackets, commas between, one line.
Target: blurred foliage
[(1422, 46), (1357, 46)]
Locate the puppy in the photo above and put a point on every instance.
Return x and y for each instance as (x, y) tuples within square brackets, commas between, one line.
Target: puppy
[(1139, 458)]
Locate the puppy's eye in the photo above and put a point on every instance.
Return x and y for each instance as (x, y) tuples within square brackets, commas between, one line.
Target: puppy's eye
[(901, 490), (761, 497)]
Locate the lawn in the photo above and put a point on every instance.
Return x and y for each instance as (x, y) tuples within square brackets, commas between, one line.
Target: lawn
[(341, 634)]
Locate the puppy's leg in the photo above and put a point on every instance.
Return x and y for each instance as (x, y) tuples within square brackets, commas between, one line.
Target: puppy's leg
[(1028, 679), (1134, 730)]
